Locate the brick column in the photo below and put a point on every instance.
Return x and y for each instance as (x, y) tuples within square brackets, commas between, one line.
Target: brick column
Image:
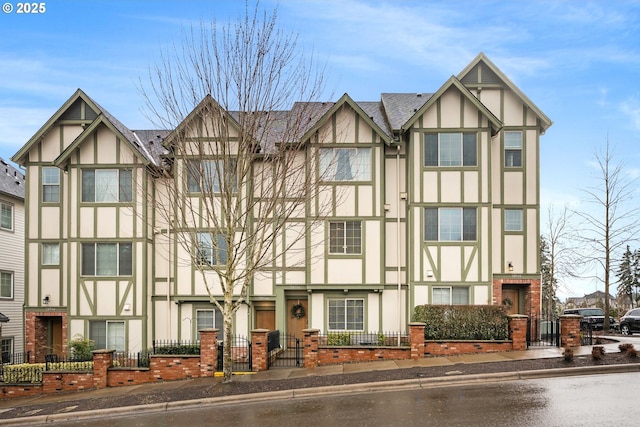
[(518, 331), (259, 349), (208, 352), (570, 330), (416, 335), (311, 347), (102, 361)]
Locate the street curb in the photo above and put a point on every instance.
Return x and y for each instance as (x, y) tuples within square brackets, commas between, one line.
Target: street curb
[(424, 383)]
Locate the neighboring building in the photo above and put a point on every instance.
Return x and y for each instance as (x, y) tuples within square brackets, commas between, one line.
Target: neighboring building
[(12, 220), (444, 209), (592, 300)]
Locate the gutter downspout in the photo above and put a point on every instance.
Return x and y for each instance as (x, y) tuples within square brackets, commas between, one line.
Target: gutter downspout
[(398, 241)]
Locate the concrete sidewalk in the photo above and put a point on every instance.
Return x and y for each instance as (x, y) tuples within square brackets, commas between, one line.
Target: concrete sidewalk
[(8, 406)]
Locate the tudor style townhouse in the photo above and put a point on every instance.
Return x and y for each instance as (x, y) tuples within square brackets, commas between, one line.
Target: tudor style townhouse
[(434, 199), (12, 219)]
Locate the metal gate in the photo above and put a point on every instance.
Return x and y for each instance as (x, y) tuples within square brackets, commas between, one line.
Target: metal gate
[(285, 351), (240, 354), (543, 332)]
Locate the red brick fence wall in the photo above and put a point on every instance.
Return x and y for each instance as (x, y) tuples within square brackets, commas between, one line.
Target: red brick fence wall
[(177, 367)]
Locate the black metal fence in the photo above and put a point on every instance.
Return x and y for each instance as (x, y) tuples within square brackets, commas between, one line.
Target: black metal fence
[(9, 359), (241, 358), (284, 351), (586, 333), (543, 332)]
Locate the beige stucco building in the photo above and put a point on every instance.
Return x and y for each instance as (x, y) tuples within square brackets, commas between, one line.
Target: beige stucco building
[(440, 206)]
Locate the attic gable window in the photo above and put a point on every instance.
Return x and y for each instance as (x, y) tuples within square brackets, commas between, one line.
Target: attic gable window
[(450, 149), (106, 185), (345, 164)]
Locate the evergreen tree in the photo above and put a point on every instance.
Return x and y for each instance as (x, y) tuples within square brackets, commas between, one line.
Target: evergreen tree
[(627, 274)]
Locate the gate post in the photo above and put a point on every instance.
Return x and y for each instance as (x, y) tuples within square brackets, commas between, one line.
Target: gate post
[(311, 347), (518, 331), (570, 330), (208, 352), (416, 334), (102, 361), (259, 349)]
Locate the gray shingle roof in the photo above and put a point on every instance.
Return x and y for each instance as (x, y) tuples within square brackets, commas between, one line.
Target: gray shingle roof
[(147, 150), (400, 107), (11, 180)]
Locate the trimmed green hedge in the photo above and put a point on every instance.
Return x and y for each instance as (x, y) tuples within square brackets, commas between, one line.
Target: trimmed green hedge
[(181, 349), (463, 322)]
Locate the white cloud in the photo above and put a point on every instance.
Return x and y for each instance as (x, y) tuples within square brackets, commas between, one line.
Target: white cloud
[(631, 109)]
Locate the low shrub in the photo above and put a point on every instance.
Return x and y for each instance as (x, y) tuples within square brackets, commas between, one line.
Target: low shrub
[(568, 355), (463, 322), (597, 352), (81, 348), (627, 348), (339, 338)]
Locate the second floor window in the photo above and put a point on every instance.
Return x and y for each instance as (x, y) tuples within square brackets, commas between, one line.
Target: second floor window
[(6, 284), (50, 254), (345, 164), (207, 176), (450, 224), (513, 220), (6, 216), (513, 149), (345, 237), (106, 185), (211, 249), (50, 185), (107, 259), (450, 149)]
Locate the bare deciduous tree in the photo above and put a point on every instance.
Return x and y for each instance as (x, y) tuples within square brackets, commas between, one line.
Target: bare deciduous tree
[(241, 192), (558, 255), (611, 224)]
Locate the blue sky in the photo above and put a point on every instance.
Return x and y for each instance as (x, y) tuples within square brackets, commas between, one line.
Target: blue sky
[(578, 61)]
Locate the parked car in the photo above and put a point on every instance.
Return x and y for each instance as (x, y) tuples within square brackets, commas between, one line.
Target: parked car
[(630, 322), (593, 317)]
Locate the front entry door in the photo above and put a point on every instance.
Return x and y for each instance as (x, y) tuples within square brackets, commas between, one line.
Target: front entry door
[(512, 296), (297, 319)]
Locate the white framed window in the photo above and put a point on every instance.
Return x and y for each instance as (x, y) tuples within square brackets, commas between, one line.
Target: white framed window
[(513, 149), (107, 334), (107, 259), (207, 176), (50, 184), (6, 216), (345, 237), (211, 249), (50, 254), (450, 224), (6, 284), (513, 220), (450, 295), (345, 164), (207, 319), (346, 314), (450, 149), (107, 185)]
